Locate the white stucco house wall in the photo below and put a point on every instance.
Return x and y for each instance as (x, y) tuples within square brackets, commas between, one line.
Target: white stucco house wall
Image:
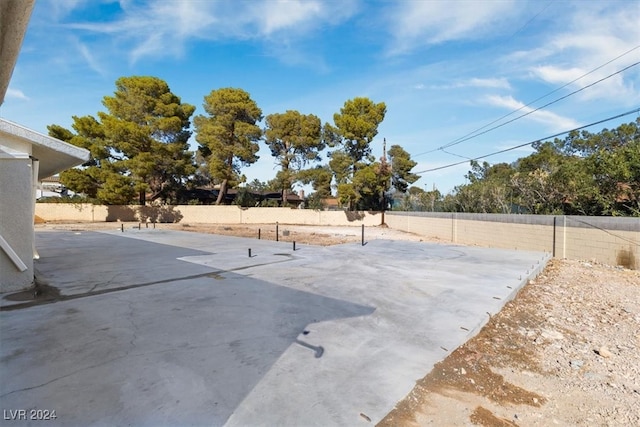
[(26, 157)]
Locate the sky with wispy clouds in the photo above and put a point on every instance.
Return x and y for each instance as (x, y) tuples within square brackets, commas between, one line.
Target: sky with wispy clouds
[(446, 69)]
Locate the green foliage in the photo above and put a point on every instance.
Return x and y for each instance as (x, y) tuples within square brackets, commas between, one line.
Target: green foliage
[(356, 125), (149, 126), (488, 191), (140, 145), (370, 184), (352, 164), (583, 174), (401, 165), (341, 166), (417, 199), (315, 201), (76, 199), (257, 186), (245, 198), (294, 140), (116, 189), (228, 136), (282, 183), (320, 179)]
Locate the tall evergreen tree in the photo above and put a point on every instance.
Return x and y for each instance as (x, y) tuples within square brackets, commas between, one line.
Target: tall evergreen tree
[(294, 140), (228, 136), (401, 165), (149, 127), (356, 125), (139, 145)]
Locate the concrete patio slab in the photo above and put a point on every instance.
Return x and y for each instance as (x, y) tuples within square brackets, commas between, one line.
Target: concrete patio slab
[(157, 327)]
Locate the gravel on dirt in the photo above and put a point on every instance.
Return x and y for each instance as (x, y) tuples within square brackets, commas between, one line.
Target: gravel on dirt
[(564, 352)]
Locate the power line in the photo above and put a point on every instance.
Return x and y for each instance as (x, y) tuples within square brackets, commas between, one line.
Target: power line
[(532, 142), (540, 108), (475, 133), (530, 20)]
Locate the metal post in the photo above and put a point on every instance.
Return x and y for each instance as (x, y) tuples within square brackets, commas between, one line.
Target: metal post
[(277, 237), (554, 236), (258, 234), (154, 224), (139, 225), (362, 234), (122, 227), (249, 252), (294, 246), (564, 236)]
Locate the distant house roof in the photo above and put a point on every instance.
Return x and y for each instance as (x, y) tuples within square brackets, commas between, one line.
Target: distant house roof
[(331, 202), (54, 155)]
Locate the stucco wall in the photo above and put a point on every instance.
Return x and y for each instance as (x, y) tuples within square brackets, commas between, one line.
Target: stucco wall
[(192, 214), (16, 225)]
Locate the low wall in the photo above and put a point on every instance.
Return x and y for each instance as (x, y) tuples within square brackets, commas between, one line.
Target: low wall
[(610, 240), (194, 214)]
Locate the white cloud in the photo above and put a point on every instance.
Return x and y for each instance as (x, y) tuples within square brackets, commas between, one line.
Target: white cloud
[(500, 83), (61, 8), (163, 28), (89, 58), (592, 34), (16, 94), (417, 23), (280, 15), (156, 28), (552, 120)]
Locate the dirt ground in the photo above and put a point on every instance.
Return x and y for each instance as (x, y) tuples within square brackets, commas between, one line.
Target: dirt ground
[(564, 352)]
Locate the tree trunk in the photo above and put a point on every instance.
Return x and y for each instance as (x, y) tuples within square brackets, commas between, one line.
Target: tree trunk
[(142, 198), (223, 192)]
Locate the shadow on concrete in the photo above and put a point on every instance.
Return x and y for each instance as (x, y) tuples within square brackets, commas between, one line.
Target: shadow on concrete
[(182, 345)]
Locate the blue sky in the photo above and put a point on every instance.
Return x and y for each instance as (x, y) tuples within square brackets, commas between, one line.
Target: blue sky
[(443, 68)]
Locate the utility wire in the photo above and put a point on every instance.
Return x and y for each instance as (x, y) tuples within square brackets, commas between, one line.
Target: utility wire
[(532, 142), (539, 108), (530, 20), (475, 133)]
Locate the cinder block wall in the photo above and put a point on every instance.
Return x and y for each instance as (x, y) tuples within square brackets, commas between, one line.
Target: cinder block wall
[(610, 240)]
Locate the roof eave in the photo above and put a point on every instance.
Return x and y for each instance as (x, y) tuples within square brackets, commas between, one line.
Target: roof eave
[(54, 155)]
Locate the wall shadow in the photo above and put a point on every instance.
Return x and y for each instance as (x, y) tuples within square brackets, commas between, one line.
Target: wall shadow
[(354, 215), (121, 213), (164, 213)]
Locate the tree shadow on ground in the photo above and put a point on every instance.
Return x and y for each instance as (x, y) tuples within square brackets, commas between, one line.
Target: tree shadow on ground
[(164, 213)]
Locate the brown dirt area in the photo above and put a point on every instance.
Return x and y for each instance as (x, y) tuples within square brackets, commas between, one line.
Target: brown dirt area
[(564, 352)]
